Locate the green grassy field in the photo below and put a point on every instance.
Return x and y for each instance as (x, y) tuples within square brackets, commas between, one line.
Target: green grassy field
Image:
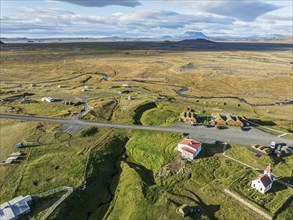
[(52, 159), (281, 166), (151, 74), (201, 185), (119, 168), (124, 184)]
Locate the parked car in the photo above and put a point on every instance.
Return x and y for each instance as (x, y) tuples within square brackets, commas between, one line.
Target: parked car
[(47, 99), (214, 142), (243, 128), (219, 127), (19, 145)]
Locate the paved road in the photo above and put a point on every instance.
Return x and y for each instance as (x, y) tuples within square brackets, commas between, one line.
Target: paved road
[(232, 135)]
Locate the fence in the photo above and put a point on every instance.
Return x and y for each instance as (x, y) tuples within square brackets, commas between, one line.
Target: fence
[(258, 211), (57, 203)]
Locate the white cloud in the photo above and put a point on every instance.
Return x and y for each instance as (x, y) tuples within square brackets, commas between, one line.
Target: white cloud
[(42, 21), (146, 22), (245, 10), (102, 3)]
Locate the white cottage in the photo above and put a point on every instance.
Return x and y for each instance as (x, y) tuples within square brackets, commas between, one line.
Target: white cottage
[(263, 182), (189, 148)]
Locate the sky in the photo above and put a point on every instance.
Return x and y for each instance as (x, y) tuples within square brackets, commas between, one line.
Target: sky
[(144, 18)]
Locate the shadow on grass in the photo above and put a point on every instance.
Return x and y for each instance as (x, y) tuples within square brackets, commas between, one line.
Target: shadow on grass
[(140, 110), (103, 172), (209, 150), (284, 206), (209, 210), (288, 180), (145, 174), (262, 122), (277, 187)]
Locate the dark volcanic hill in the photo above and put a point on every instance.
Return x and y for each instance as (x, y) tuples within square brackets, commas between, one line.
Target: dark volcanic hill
[(196, 41), (1, 42)]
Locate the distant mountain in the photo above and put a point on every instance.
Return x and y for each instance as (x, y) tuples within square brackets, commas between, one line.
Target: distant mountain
[(1, 42), (188, 35), (199, 40), (14, 39), (193, 35)]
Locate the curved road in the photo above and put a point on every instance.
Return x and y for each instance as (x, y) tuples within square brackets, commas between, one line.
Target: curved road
[(232, 135), (179, 92)]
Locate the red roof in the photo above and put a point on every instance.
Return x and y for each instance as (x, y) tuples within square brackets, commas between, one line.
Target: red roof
[(188, 150), (265, 179), (185, 141), (269, 169), (195, 145), (190, 142)]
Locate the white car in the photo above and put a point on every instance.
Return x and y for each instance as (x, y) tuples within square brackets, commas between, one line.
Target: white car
[(47, 99)]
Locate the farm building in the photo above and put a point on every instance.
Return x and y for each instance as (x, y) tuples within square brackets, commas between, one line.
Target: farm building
[(219, 119), (189, 148), (263, 182), (226, 119), (15, 208), (125, 86), (188, 116), (230, 120)]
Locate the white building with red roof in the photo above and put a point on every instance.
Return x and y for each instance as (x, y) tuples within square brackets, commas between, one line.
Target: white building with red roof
[(263, 182), (189, 148)]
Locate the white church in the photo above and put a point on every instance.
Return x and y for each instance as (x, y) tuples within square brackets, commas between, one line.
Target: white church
[(263, 182)]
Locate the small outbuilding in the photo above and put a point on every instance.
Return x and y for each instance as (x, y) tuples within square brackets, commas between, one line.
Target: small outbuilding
[(227, 119), (15, 208), (188, 116)]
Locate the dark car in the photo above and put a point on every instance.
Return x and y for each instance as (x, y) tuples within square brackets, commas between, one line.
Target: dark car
[(243, 128)]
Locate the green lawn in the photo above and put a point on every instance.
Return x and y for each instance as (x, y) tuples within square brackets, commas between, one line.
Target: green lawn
[(281, 166), (155, 117), (124, 184)]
